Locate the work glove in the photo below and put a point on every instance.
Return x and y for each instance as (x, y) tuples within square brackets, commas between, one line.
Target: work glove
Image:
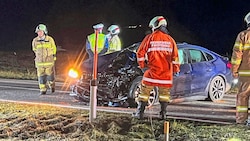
[(103, 51), (54, 57), (143, 69), (177, 74)]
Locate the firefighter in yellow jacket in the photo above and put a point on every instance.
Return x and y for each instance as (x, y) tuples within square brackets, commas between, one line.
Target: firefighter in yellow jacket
[(162, 63), (241, 69), (114, 39), (45, 55)]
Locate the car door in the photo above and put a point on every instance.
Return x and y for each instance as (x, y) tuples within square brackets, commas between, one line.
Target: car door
[(182, 83), (201, 71)]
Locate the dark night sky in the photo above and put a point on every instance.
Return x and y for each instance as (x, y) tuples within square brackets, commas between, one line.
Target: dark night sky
[(213, 24)]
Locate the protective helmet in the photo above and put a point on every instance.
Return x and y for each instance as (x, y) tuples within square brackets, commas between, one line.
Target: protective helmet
[(247, 18), (157, 22), (98, 26), (114, 29), (42, 27)]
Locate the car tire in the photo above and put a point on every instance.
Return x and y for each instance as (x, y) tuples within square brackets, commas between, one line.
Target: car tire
[(216, 89), (134, 93)]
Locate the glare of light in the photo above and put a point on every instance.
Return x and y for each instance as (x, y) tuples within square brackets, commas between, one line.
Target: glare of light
[(73, 73), (235, 81)]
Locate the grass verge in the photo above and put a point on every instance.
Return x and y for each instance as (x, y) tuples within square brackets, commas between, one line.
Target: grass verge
[(39, 122)]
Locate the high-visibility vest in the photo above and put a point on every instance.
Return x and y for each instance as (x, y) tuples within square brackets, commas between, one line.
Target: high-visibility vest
[(100, 43)]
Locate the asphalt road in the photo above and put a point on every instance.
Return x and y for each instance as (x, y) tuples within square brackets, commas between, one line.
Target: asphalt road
[(26, 91)]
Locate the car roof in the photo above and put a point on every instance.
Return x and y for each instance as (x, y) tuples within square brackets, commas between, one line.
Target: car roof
[(186, 45), (183, 45)]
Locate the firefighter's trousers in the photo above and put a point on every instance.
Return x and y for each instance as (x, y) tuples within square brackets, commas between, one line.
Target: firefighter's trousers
[(164, 93), (242, 100), (46, 77)]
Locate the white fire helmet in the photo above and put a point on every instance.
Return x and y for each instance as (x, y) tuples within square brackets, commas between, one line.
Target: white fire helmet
[(42, 27), (157, 22), (114, 29), (247, 18)]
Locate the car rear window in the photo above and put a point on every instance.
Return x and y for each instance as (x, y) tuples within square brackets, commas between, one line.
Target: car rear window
[(209, 56)]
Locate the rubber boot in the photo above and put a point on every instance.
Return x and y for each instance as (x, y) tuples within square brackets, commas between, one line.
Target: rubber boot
[(43, 92), (51, 81), (163, 110), (140, 110), (248, 122), (43, 88), (51, 85)]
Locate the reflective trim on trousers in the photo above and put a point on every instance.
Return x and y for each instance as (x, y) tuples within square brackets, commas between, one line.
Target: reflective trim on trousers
[(244, 73), (45, 64), (242, 109), (164, 98), (143, 97), (42, 87)]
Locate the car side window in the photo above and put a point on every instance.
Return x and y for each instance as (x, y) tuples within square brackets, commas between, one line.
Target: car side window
[(209, 57), (182, 56), (196, 56)]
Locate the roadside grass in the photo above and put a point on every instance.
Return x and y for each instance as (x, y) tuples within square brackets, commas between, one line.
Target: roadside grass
[(20, 65), (45, 122), (36, 122), (17, 65), (18, 75)]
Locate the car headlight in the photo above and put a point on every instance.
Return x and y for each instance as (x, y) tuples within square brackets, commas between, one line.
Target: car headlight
[(73, 73)]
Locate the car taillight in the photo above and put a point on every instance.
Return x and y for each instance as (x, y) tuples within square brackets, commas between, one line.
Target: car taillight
[(229, 65)]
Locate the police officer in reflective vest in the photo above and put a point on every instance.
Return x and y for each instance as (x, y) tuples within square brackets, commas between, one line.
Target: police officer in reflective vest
[(45, 51), (162, 62), (241, 69), (102, 44)]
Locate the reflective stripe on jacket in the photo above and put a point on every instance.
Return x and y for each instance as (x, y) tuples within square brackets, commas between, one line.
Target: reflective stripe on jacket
[(45, 50), (102, 42), (241, 54), (162, 56)]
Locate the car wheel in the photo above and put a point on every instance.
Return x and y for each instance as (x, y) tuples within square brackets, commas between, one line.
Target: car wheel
[(134, 93), (217, 89)]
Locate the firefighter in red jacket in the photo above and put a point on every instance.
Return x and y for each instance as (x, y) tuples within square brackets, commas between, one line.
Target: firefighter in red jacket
[(241, 69), (160, 52)]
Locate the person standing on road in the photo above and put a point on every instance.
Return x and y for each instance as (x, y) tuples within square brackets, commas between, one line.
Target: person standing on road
[(45, 56), (160, 52), (241, 70), (102, 44), (114, 40)]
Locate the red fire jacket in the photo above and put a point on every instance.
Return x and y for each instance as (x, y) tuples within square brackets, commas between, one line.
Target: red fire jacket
[(161, 53)]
